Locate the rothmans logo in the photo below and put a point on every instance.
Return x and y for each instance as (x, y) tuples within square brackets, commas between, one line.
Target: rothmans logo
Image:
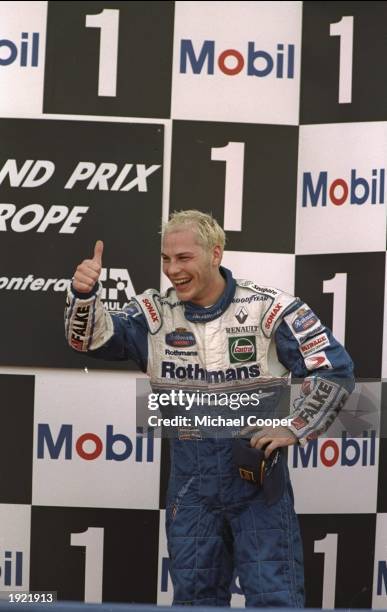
[(241, 315), (242, 349)]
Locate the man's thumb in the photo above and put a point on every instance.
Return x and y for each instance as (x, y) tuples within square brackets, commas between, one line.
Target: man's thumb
[(98, 250)]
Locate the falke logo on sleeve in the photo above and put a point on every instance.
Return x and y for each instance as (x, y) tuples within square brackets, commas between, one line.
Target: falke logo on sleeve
[(242, 349), (180, 337)]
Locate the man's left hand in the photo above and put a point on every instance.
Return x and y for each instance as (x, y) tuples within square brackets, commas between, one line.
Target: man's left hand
[(271, 438)]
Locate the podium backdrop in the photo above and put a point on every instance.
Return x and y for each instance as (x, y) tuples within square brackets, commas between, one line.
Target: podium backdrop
[(271, 115)]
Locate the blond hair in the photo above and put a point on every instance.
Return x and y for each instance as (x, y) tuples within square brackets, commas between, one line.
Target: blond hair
[(208, 230)]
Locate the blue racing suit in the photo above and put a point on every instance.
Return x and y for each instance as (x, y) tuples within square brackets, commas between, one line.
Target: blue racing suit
[(247, 342)]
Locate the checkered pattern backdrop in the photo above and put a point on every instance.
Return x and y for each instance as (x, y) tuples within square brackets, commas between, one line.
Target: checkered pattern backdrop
[(272, 115)]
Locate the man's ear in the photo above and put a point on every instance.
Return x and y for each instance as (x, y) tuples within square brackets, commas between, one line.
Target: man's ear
[(217, 255)]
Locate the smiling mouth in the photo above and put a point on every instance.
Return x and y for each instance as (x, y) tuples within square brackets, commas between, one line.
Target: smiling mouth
[(181, 283)]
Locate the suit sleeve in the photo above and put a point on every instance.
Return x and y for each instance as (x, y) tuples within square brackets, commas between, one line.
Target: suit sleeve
[(91, 329), (309, 350)]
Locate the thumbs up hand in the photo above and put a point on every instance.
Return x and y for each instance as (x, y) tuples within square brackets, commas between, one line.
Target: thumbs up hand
[(88, 272)]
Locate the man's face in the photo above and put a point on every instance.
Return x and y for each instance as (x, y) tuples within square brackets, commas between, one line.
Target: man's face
[(190, 268)]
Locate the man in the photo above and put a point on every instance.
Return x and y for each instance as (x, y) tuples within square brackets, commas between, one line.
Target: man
[(210, 332)]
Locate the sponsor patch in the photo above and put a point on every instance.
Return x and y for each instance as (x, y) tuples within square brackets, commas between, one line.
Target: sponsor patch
[(314, 344), (318, 360), (317, 401), (306, 386), (298, 423), (79, 327), (242, 349), (304, 324), (165, 302), (180, 337), (247, 329), (272, 316), (189, 433), (76, 344), (150, 308), (177, 353), (269, 290), (274, 313), (193, 371), (249, 299), (241, 315), (304, 320)]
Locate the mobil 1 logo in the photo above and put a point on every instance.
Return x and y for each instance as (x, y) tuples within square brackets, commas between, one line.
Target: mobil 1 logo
[(349, 300), (341, 41), (338, 559), (95, 555), (248, 180), (109, 58)]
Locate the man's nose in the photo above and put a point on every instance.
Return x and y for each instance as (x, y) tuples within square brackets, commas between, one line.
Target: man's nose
[(174, 268)]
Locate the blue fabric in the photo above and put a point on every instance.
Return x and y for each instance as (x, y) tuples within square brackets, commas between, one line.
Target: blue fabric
[(130, 340), (217, 522), (206, 541)]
